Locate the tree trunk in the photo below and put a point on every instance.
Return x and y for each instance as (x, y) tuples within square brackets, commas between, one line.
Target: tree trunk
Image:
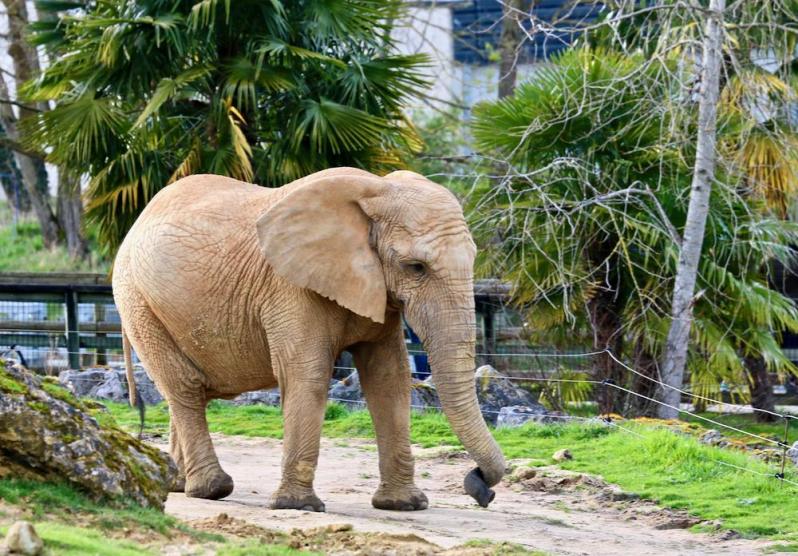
[(645, 364), (675, 355), (26, 66), (70, 215), (761, 389), (11, 179), (606, 322), (509, 46)]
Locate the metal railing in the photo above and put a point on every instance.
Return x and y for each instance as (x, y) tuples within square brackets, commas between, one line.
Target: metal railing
[(52, 316), (68, 319)]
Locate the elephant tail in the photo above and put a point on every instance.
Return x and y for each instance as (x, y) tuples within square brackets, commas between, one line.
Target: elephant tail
[(131, 379)]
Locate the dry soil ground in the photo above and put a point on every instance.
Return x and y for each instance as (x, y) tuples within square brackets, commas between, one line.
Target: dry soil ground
[(559, 514)]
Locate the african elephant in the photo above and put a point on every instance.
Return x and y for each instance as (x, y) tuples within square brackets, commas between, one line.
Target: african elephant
[(225, 287)]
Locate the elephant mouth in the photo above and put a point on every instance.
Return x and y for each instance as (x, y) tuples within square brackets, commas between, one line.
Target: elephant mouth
[(477, 488)]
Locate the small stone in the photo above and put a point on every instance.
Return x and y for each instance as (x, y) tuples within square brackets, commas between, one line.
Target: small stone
[(677, 522), (338, 527), (524, 473), (729, 535), (562, 455), (617, 495), (22, 539), (711, 437)]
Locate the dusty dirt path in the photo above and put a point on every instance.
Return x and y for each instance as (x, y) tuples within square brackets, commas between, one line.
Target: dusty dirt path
[(566, 522)]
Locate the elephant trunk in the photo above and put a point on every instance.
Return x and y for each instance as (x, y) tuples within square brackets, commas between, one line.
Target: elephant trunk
[(450, 341)]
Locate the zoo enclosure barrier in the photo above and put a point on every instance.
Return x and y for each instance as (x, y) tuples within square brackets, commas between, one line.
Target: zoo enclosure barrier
[(59, 320), (56, 321)]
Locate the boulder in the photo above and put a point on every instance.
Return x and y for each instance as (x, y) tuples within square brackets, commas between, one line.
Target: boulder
[(347, 392), (516, 415), (265, 397), (110, 384), (496, 391), (48, 434), (423, 395), (23, 539), (711, 437)]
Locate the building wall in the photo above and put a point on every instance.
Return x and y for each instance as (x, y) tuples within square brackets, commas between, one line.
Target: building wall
[(428, 29)]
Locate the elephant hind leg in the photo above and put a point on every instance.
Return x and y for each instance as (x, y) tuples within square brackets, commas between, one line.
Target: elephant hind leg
[(182, 384), (177, 456), (204, 476)]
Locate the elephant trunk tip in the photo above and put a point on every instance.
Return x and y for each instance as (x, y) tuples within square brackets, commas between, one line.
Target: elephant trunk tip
[(477, 488)]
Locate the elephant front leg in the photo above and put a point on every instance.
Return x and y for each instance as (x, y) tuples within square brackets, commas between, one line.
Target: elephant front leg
[(304, 402), (385, 378)]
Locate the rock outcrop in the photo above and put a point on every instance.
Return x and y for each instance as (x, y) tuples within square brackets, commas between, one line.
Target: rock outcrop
[(502, 401), (499, 398), (495, 391), (516, 415), (47, 434), (109, 384)]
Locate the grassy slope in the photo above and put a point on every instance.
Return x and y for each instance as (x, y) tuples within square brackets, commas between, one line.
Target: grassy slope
[(672, 468), (22, 250)]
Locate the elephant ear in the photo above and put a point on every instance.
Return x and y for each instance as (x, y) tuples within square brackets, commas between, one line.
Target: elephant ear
[(317, 237)]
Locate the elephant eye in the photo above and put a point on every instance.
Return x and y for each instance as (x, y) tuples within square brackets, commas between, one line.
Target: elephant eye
[(416, 268)]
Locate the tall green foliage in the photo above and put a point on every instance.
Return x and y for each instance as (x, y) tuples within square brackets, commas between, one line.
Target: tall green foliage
[(148, 92), (590, 215)]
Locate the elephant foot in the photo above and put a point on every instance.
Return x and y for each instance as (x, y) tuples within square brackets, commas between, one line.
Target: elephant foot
[(213, 485), (305, 499), (404, 499)]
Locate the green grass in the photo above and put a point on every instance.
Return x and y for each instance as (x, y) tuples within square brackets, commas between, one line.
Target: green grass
[(61, 501), (53, 508), (22, 249), (256, 548), (748, 423), (671, 468), (66, 540)]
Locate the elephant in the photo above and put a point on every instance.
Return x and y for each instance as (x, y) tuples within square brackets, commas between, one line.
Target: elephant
[(224, 287)]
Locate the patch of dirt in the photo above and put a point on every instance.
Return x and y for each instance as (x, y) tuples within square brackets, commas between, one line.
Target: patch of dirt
[(550, 510), (342, 540), (595, 495)]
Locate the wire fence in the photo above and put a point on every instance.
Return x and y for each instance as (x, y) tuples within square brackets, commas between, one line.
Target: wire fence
[(783, 473)]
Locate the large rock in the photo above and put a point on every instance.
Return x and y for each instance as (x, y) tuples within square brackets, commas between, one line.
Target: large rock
[(495, 391), (516, 415), (265, 397), (47, 434), (110, 384), (347, 392), (423, 395)]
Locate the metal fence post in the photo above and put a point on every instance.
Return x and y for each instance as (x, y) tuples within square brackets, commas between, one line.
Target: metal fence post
[(490, 334), (73, 337)]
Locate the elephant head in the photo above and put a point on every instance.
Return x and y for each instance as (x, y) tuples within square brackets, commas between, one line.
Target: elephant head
[(370, 244)]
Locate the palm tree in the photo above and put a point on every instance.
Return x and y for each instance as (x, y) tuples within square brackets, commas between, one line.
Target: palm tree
[(148, 92), (589, 218), (759, 135)]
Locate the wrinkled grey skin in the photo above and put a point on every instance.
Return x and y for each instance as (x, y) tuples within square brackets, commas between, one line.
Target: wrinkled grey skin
[(225, 287)]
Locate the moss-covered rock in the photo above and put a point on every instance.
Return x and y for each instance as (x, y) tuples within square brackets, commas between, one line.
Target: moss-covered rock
[(47, 434)]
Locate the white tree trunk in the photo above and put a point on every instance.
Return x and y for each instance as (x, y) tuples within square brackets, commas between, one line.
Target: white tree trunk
[(675, 355)]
